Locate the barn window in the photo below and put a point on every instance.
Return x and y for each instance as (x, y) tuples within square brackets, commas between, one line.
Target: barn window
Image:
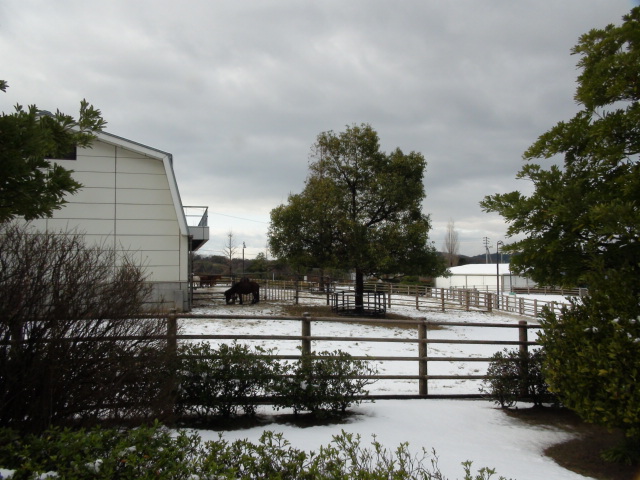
[(70, 155)]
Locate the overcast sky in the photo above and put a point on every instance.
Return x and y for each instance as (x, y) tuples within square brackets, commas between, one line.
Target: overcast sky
[(238, 91)]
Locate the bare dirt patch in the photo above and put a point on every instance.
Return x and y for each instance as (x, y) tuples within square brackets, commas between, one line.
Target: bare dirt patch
[(582, 453), (325, 311)]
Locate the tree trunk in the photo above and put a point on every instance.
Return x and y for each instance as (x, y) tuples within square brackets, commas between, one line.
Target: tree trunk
[(359, 291)]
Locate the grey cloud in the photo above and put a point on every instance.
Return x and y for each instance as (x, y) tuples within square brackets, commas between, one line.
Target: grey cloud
[(238, 91)]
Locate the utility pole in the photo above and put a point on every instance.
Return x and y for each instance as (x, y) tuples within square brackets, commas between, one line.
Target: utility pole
[(498, 273), (486, 249), (243, 247)]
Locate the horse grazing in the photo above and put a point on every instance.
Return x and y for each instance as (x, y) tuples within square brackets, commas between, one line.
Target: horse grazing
[(243, 287)]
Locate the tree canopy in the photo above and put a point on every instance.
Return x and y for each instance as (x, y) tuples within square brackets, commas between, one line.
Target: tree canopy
[(581, 225), (360, 209), (585, 213), (33, 187)]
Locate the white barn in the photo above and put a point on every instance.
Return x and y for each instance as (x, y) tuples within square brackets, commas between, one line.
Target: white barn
[(130, 201), (483, 276)]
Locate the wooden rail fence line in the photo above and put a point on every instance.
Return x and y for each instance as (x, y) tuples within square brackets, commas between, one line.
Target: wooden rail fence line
[(423, 359), (305, 338), (422, 298)]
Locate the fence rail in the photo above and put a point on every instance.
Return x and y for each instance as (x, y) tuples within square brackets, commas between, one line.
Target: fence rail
[(419, 336), (420, 297), (414, 332)]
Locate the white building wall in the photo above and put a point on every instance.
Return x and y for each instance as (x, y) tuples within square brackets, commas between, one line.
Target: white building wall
[(127, 203), (482, 277)]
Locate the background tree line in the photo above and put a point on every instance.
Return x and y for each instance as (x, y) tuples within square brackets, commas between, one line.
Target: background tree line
[(222, 265), (259, 267)]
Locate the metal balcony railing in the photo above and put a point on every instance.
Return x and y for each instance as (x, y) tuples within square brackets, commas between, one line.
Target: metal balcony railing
[(198, 223)]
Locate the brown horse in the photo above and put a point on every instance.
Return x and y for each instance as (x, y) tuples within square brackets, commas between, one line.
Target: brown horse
[(243, 287)]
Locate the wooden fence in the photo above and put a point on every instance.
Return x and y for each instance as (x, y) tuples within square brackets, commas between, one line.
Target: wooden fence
[(422, 298), (417, 333)]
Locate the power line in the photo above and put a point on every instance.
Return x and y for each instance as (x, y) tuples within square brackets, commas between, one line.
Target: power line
[(238, 218)]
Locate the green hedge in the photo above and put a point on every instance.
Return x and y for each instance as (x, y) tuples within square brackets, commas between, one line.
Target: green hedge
[(327, 383), (226, 380), (158, 453)]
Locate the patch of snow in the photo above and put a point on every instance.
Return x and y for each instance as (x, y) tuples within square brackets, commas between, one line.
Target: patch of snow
[(458, 430)]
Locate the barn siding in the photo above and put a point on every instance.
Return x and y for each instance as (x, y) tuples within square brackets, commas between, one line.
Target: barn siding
[(127, 202)]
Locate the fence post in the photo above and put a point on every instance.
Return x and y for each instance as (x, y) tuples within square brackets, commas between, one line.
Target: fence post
[(171, 386), (489, 297), (442, 298), (417, 300), (466, 300), (523, 337), (306, 334), (423, 362), (524, 358)]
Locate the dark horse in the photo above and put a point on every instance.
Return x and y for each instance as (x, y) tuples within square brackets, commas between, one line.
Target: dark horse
[(243, 287)]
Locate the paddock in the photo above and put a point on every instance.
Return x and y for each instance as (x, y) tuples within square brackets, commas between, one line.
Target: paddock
[(419, 297)]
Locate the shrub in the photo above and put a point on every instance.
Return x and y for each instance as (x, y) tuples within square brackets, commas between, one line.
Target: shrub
[(537, 387), (60, 297), (324, 382), (502, 384), (223, 380), (593, 356), (146, 452), (230, 378), (514, 376), (156, 452)]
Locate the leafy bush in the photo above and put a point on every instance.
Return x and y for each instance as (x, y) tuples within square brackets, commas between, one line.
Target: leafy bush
[(158, 453), (537, 387), (233, 377), (147, 452), (221, 381), (503, 383), (514, 376), (324, 382), (593, 356)]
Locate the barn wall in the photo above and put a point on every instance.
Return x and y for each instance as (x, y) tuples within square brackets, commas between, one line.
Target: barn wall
[(126, 203)]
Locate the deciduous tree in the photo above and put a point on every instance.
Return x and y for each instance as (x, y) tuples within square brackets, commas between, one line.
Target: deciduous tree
[(71, 349), (360, 209), (229, 250), (451, 245)]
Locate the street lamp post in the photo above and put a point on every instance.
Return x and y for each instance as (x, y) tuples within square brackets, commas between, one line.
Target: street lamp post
[(498, 273)]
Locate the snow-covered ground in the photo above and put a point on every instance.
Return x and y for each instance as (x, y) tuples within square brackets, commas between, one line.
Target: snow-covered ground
[(397, 349), (458, 430)]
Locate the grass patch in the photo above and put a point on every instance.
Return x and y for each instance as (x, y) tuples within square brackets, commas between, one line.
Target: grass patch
[(580, 454)]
